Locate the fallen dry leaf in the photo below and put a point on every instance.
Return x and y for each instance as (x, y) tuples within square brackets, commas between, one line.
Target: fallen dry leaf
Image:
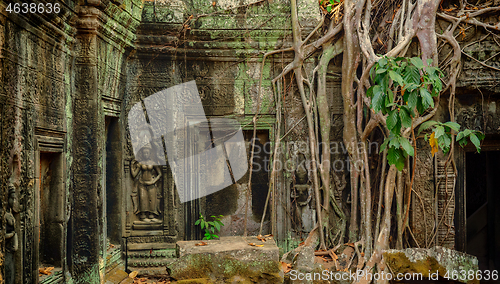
[(133, 274), (286, 267), (333, 255), (261, 238), (45, 270), (254, 245), (201, 244)]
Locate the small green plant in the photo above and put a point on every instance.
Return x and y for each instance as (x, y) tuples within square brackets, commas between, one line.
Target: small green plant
[(210, 226)]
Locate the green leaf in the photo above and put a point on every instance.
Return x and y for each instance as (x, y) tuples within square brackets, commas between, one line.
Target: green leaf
[(464, 134), (202, 225), (369, 92), (392, 156), (384, 145), (431, 72), (412, 100), (197, 222), (217, 226), (417, 62), (462, 142), (380, 70), (328, 9), (473, 138), (215, 236), (426, 125), (400, 164), (405, 117), (395, 157), (397, 128), (444, 142), (396, 77), (390, 98), (438, 131), (392, 119), (394, 143), (426, 98), (453, 125), (412, 75), (429, 61), (407, 147), (378, 98), (437, 87), (420, 107), (382, 62), (479, 135)]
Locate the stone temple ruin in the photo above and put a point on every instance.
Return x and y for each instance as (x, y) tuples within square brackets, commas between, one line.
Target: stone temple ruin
[(76, 196)]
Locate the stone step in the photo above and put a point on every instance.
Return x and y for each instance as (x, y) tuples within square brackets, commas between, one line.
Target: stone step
[(229, 257)]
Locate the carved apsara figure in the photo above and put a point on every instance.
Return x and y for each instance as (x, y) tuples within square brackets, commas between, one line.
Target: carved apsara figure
[(302, 194), (11, 241), (146, 194)]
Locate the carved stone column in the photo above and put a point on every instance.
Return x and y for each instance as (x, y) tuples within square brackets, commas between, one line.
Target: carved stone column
[(87, 147)]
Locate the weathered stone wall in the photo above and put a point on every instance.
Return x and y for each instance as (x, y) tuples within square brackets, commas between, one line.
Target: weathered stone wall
[(60, 72), (68, 81), (36, 84)]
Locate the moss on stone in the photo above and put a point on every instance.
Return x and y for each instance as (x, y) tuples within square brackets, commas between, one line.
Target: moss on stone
[(399, 262), (427, 261), (215, 268)]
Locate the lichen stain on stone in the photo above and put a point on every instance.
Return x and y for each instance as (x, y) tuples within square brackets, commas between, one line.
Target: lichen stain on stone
[(400, 263), (442, 260), (214, 269)]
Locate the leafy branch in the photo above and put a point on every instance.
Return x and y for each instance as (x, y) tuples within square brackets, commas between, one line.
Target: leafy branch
[(402, 88), (210, 226), (441, 135)]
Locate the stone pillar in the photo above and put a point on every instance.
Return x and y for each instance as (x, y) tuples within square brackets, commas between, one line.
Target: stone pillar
[(87, 148)]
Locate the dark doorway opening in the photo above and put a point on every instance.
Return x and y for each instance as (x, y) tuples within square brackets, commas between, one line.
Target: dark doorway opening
[(482, 210), (261, 171), (230, 201), (113, 168), (51, 210)]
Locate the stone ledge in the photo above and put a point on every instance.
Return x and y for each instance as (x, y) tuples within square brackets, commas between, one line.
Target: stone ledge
[(441, 259), (222, 260)]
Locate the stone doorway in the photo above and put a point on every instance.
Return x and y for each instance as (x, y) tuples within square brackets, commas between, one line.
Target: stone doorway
[(50, 211), (482, 210), (113, 199), (113, 176), (230, 202)]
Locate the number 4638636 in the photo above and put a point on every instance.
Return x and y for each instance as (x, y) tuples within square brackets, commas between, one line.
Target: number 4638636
[(33, 8)]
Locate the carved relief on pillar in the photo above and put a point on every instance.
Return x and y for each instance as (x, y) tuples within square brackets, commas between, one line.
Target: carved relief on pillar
[(302, 196), (11, 238)]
